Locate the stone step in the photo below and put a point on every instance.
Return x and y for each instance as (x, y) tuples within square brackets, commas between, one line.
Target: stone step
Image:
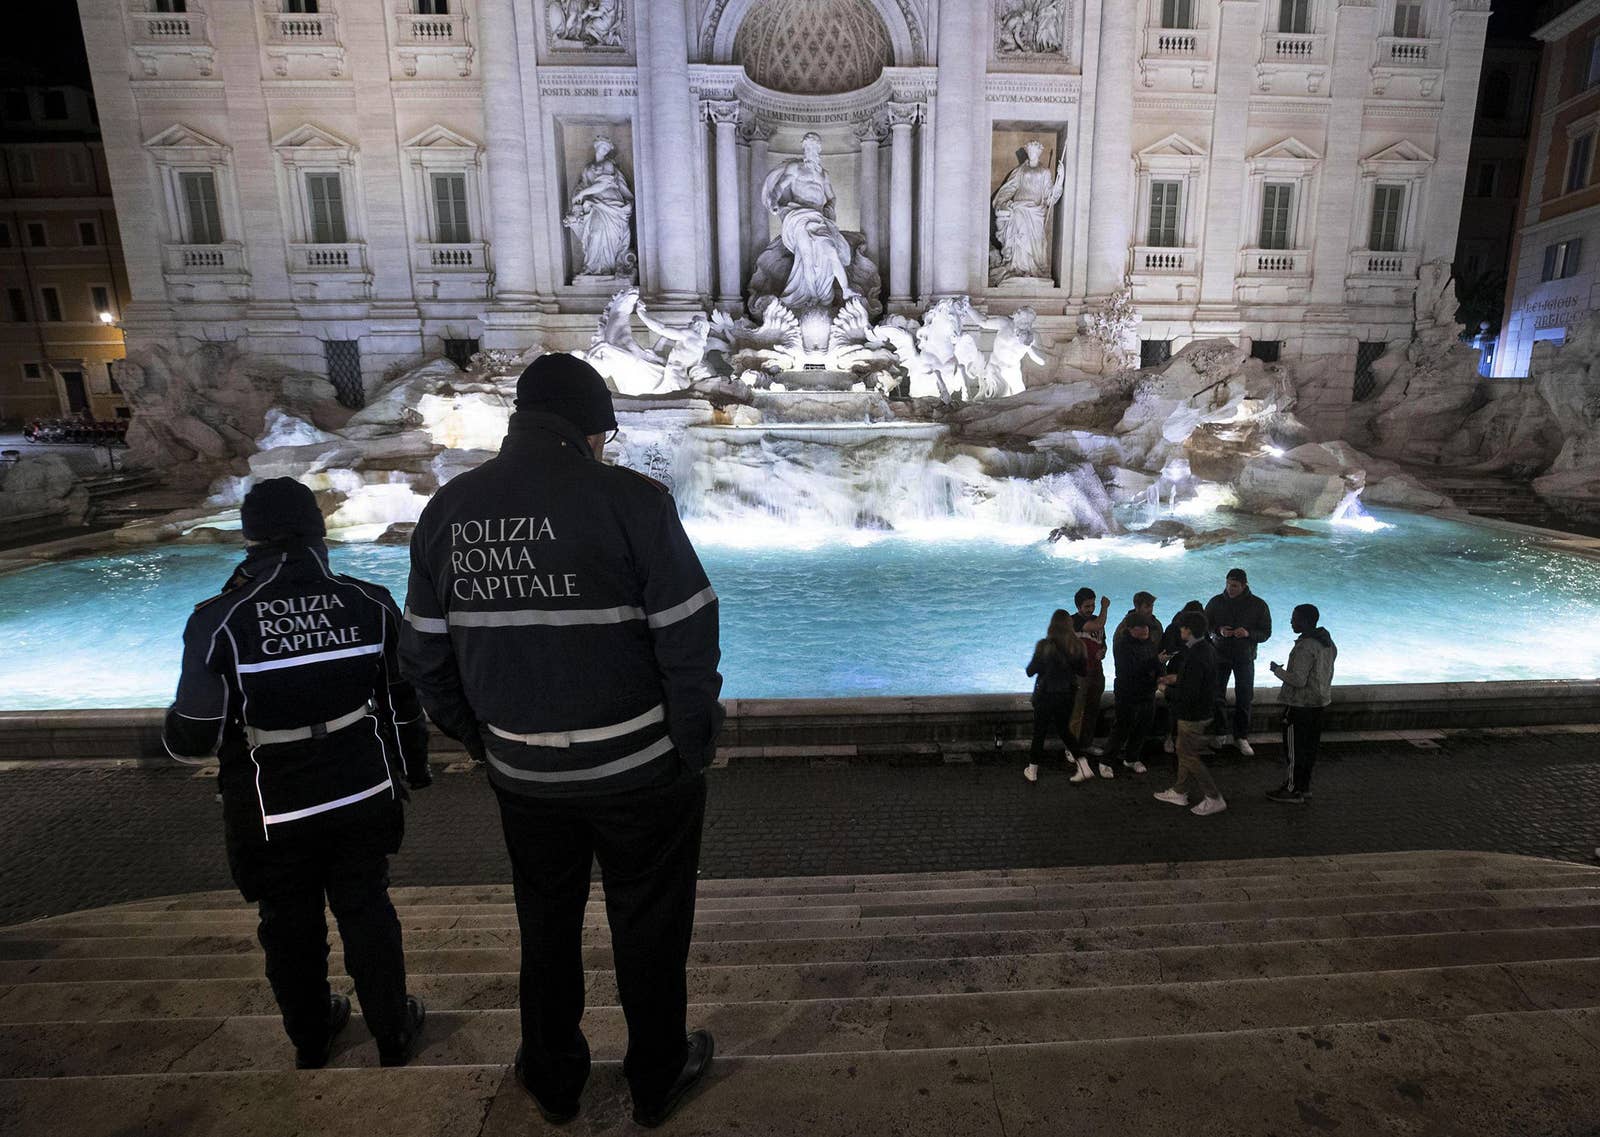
[(107, 993), (467, 912), (256, 1042), (1435, 1077), (763, 943), (1360, 866)]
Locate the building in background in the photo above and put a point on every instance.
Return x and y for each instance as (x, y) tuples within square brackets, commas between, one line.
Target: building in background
[(62, 282), (1489, 212), (1552, 279), (349, 185)]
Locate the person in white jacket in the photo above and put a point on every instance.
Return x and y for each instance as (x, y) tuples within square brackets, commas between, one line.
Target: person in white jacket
[(1307, 691)]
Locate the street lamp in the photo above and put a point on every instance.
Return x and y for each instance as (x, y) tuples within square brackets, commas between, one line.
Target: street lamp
[(107, 319)]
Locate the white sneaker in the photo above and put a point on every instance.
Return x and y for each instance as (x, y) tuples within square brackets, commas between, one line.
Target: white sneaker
[(1246, 749), (1031, 771), (1172, 797), (1084, 772), (1166, 745), (1096, 751), (1209, 806), (1222, 740), (1107, 771), (1136, 767)]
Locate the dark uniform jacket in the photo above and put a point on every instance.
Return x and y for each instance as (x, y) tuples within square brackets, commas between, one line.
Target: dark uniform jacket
[(1247, 610), (1138, 669), (292, 648), (558, 612)]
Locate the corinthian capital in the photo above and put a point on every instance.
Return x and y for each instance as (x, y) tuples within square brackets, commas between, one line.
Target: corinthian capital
[(720, 111), (903, 114)]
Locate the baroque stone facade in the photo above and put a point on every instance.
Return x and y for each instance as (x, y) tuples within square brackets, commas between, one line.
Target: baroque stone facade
[(367, 184)]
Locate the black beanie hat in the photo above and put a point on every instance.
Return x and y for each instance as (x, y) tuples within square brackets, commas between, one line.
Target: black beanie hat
[(562, 384), (1238, 574), (279, 509)]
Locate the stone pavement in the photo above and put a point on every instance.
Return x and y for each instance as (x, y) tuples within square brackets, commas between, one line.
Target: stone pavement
[(82, 836)]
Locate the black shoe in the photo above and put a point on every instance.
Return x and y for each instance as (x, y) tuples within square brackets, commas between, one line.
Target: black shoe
[(701, 1049), (1290, 796), (338, 1019), (400, 1050), (553, 1115)]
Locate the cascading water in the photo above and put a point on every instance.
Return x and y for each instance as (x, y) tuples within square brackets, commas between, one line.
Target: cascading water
[(1352, 514)]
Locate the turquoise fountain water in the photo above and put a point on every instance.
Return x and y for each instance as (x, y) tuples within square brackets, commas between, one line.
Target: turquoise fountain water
[(943, 610)]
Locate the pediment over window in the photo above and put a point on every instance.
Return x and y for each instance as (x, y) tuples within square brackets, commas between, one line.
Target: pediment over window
[(1404, 152), (1173, 146), (1289, 150), (438, 137), (180, 137), (313, 139)]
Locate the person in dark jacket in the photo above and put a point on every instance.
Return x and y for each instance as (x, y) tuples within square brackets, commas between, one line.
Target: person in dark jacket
[(559, 623), (292, 677), (1058, 664), (1240, 621), (1307, 691), (1091, 629), (1171, 658), (1138, 663), (1190, 693)]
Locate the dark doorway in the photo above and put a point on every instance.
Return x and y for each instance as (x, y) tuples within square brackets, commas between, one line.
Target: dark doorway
[(77, 393)]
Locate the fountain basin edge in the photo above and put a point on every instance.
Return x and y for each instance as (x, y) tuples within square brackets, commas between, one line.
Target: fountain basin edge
[(893, 725)]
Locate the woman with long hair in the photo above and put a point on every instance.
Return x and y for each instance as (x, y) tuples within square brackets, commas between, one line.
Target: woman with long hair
[(1058, 661)]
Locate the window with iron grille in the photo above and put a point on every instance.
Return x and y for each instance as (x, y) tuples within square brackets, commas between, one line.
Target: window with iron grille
[(344, 371), (450, 209), (1267, 351), (460, 352), (325, 195), (1177, 13), (1366, 384), (1294, 16), (1277, 205), (1153, 353), (1165, 198)]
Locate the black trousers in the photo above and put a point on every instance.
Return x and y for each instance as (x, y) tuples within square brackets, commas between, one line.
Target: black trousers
[(1302, 738), (289, 877), (1051, 713), (1131, 731), (648, 845), (1243, 673)]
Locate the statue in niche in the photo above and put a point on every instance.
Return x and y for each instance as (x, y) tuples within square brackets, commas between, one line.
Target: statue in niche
[(1029, 27), (1015, 342), (601, 214), (812, 267), (589, 23), (1022, 207)]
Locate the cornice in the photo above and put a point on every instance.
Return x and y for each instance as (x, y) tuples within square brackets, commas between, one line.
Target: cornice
[(1569, 21), (437, 89), (300, 88), (178, 90)]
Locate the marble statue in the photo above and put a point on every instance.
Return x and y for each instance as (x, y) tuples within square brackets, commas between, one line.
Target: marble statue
[(755, 353), (943, 361), (1022, 207), (812, 266), (592, 23), (601, 214), (1015, 342), (685, 359), (1029, 27), (630, 367)]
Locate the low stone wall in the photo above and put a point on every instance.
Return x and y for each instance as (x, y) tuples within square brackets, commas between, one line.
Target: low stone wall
[(905, 724)]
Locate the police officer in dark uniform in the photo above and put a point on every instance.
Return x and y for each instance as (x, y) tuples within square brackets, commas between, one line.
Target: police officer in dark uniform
[(292, 677), (559, 623)]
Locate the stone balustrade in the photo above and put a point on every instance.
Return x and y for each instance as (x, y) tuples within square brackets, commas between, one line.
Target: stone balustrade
[(1396, 52), (1162, 261), (294, 28), (1295, 47), (1275, 262), (1367, 262), (200, 259), (348, 257), (158, 28), (451, 258), (1177, 43)]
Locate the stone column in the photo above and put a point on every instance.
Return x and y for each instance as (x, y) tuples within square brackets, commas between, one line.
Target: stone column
[(510, 205), (666, 113), (1112, 201), (755, 214), (871, 228), (724, 117), (1237, 45), (958, 105), (1350, 81), (902, 117)]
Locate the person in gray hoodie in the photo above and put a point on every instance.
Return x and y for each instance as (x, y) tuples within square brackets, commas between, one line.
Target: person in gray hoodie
[(1307, 691)]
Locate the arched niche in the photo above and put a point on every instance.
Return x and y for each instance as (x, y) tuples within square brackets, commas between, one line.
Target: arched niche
[(720, 28)]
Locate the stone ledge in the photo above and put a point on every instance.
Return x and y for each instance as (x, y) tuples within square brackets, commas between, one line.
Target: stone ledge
[(872, 727)]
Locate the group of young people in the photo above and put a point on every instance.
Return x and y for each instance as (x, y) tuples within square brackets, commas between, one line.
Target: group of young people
[(1185, 666)]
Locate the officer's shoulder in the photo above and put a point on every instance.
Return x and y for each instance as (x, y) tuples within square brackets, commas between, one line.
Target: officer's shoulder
[(235, 582), (627, 476)]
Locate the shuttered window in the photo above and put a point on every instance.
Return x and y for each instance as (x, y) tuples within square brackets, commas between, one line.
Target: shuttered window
[(1165, 198), (200, 206), (325, 196), (1388, 211), (450, 209), (1277, 214)]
